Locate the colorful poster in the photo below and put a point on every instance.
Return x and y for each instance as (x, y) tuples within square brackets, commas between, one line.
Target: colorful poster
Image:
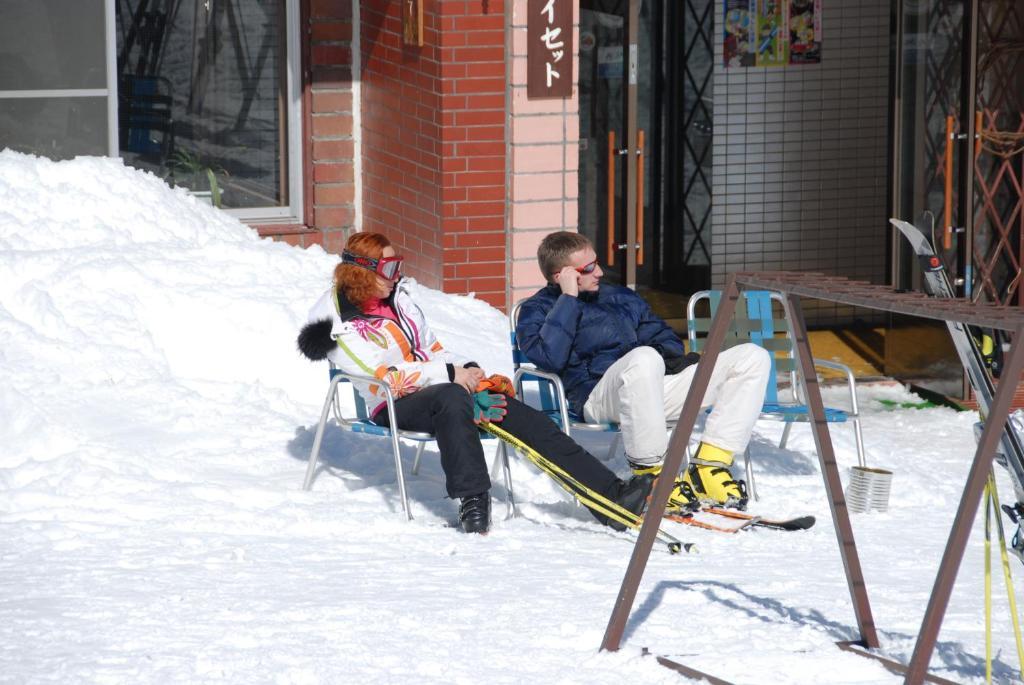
[(738, 34), (771, 33), (772, 41), (804, 31)]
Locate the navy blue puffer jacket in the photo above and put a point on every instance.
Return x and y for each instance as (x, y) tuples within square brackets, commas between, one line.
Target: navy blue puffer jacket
[(580, 337)]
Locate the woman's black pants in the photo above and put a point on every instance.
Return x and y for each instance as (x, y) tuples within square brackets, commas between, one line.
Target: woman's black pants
[(446, 410)]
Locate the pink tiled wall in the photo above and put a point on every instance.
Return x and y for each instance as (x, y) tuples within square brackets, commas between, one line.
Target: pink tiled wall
[(543, 152)]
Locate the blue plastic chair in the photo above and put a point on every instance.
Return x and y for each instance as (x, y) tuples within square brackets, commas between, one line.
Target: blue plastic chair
[(551, 392), (765, 322), (361, 423)]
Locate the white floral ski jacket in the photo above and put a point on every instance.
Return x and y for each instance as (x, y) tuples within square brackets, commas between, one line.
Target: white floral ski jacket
[(405, 354)]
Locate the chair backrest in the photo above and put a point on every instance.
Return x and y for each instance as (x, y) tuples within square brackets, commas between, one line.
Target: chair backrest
[(761, 318), (545, 389), (360, 403)]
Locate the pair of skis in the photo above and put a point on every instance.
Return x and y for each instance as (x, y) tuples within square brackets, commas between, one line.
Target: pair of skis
[(711, 518), (597, 502), (938, 285)]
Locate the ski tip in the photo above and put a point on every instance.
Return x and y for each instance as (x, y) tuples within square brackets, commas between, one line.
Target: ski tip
[(802, 522)]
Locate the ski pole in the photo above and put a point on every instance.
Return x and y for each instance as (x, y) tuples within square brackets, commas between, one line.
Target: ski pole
[(1007, 575)]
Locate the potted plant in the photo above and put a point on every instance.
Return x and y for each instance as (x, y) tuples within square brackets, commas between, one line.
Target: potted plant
[(186, 169)]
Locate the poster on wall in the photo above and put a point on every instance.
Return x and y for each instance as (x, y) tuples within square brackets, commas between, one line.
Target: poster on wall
[(771, 33)]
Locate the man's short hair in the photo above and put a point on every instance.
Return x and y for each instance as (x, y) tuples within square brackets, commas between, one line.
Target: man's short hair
[(554, 251)]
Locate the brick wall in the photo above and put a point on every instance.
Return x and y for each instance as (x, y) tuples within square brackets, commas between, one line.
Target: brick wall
[(433, 160), (545, 161)]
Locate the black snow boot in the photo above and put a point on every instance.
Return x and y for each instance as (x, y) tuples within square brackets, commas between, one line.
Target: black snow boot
[(631, 495), (475, 513)]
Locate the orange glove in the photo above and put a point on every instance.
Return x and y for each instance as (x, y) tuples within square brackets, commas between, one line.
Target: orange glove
[(497, 383)]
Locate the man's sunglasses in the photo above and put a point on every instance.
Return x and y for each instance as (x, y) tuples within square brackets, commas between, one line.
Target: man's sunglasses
[(587, 268), (389, 268)]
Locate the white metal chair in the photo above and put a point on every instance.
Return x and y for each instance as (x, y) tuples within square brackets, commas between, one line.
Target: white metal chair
[(361, 423)]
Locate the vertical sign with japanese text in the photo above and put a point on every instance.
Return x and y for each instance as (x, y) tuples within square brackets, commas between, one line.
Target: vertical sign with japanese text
[(549, 49)]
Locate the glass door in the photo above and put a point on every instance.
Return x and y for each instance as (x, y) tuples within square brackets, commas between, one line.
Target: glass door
[(645, 144)]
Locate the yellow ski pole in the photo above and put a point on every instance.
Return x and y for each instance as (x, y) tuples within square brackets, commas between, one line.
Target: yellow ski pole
[(589, 498), (1007, 576)]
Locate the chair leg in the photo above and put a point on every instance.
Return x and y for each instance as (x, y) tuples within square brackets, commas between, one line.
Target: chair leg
[(785, 435), (510, 511), (314, 454), (396, 447), (859, 438), (614, 448), (416, 462), (749, 466)]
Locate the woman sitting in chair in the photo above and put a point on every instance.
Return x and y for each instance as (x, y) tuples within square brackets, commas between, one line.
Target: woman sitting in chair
[(368, 324)]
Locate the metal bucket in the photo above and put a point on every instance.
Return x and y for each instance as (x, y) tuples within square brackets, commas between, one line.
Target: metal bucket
[(868, 489)]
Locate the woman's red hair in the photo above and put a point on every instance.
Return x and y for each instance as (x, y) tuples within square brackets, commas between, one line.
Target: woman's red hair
[(359, 284)]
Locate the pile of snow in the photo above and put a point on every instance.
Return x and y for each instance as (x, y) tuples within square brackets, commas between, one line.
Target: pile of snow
[(156, 425)]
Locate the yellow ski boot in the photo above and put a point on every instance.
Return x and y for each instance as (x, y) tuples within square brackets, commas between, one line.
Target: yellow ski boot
[(711, 481)]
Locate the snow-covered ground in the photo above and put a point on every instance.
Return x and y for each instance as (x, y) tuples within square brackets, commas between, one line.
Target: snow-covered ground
[(156, 421)]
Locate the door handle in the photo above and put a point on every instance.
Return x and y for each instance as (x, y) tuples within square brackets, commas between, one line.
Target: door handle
[(640, 197), (612, 152)]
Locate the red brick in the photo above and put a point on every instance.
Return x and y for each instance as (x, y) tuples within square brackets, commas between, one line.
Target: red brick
[(480, 85), (480, 239), (477, 54), (333, 31), (485, 163), (334, 217), (482, 178), (485, 70), (486, 223), (309, 239), (479, 269), (331, 101), (480, 149), (478, 118), (332, 76), (334, 194), (485, 193), (485, 133), (479, 102), (484, 254), (332, 149), (334, 241), (455, 286), (332, 172), (332, 55), (332, 125), (489, 22), (330, 9), (494, 283)]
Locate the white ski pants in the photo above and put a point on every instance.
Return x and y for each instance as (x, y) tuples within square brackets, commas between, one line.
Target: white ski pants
[(636, 393)]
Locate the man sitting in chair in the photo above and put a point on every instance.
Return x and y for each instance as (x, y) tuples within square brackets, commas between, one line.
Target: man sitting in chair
[(619, 362)]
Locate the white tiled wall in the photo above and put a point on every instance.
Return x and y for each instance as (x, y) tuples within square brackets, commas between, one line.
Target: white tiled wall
[(800, 157)]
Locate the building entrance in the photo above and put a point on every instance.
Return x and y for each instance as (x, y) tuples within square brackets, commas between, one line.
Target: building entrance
[(645, 144)]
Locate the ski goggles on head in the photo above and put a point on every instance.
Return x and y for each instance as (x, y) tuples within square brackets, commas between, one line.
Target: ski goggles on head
[(389, 268), (587, 268)]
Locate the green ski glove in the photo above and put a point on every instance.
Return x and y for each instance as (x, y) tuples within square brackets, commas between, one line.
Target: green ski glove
[(489, 407)]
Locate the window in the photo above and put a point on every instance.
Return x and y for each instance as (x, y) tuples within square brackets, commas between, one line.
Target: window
[(55, 74), (203, 93), (208, 99)]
